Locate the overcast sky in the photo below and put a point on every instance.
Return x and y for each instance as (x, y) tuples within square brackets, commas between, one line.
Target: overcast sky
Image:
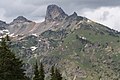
[(106, 12)]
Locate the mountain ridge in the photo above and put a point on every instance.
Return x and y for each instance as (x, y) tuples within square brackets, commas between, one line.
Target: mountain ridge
[(54, 15)]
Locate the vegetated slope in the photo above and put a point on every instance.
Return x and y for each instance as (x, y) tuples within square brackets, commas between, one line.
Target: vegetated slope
[(86, 51), (98, 55), (89, 52)]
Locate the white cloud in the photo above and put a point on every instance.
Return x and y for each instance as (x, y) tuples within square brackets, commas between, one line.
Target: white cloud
[(2, 12), (109, 16), (13, 9)]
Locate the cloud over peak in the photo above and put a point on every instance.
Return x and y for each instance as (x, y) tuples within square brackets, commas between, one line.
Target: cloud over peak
[(109, 16)]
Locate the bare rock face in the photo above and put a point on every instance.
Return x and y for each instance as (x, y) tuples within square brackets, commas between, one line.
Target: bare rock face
[(72, 17), (2, 25), (54, 13), (20, 19)]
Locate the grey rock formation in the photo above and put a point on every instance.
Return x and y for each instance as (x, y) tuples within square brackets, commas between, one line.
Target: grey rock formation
[(74, 14), (72, 17), (54, 13), (2, 25), (20, 19)]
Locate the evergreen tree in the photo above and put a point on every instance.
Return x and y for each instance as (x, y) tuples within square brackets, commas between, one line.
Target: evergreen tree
[(7, 38), (39, 73), (10, 66), (36, 72), (55, 74)]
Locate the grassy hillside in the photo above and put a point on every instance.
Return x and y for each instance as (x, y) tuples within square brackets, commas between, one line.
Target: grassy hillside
[(92, 51)]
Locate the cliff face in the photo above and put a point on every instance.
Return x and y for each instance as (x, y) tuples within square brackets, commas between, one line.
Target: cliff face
[(3, 25), (54, 13)]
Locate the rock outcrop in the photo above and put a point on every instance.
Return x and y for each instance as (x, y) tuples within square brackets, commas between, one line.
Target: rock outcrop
[(20, 19), (2, 25), (54, 13)]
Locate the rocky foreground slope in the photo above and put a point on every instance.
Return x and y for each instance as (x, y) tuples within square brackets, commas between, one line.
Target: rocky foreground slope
[(81, 48)]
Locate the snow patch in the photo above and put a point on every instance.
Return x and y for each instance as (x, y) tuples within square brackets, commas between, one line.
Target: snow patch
[(40, 40), (35, 35), (23, 47), (82, 37), (33, 48), (5, 31), (1, 31), (88, 21), (11, 34)]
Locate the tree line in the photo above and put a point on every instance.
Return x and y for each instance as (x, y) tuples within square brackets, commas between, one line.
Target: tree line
[(11, 67)]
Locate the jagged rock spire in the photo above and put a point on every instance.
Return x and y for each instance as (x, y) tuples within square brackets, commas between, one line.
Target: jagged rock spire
[(55, 13)]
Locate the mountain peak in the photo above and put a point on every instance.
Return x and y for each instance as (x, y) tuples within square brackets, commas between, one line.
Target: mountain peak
[(72, 17), (20, 19), (75, 13), (54, 13)]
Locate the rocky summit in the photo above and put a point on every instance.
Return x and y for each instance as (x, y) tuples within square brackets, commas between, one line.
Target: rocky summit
[(81, 48), (55, 13), (20, 19)]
